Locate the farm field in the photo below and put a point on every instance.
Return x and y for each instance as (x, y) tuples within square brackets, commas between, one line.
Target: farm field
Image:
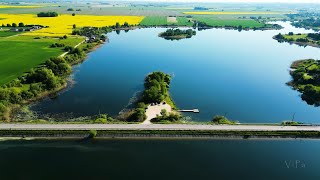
[(96, 10), (154, 21), (8, 33), (22, 53), (212, 21), (229, 13), (62, 25), (18, 7), (163, 20)]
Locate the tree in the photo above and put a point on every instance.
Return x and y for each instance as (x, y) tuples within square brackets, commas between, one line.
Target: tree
[(126, 24), (43, 75), (74, 26), (21, 24), (2, 108), (14, 25), (118, 25), (8, 25), (4, 94), (138, 115), (73, 14), (290, 34)]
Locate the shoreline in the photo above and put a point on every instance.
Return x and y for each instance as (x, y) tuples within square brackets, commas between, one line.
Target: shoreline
[(12, 109), (303, 44)]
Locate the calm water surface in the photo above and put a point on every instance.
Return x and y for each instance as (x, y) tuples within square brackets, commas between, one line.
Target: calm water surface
[(161, 159), (241, 74)]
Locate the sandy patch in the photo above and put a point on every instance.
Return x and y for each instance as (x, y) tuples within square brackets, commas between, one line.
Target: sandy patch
[(172, 19), (155, 110)]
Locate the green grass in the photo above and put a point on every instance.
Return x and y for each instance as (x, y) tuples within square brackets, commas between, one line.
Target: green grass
[(8, 33), (183, 21), (22, 53), (212, 21), (162, 20), (295, 36), (154, 21)]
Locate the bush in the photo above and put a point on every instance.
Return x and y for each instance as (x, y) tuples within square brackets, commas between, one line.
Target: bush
[(2, 108), (43, 75), (68, 49), (26, 95), (171, 117), (93, 133), (4, 94), (221, 120), (15, 97), (139, 115)]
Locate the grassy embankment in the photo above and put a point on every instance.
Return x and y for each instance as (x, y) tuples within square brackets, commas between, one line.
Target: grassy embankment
[(158, 133)]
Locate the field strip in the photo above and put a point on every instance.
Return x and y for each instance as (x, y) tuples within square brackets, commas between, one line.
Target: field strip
[(230, 13)]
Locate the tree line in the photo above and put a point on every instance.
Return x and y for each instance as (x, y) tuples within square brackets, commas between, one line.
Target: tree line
[(47, 14)]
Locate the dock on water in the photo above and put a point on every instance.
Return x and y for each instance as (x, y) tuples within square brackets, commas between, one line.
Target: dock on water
[(192, 110)]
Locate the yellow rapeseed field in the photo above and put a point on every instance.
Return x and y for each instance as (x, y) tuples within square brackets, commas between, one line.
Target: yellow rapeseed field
[(228, 13), (62, 25), (6, 6)]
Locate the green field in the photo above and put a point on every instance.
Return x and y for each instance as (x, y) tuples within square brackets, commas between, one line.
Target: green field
[(8, 33), (22, 53), (183, 21), (162, 20), (295, 36), (212, 21), (154, 21)]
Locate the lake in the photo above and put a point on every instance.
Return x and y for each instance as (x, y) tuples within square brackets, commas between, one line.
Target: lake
[(160, 159), (242, 75)]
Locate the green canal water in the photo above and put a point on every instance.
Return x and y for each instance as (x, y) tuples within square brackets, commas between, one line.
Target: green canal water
[(160, 159)]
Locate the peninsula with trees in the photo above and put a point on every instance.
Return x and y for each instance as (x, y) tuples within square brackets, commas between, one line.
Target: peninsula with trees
[(310, 39), (156, 93), (306, 79)]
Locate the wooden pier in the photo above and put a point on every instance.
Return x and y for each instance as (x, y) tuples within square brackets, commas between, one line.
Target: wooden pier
[(192, 110)]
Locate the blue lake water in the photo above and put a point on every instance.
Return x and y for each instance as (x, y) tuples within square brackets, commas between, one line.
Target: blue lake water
[(240, 74)]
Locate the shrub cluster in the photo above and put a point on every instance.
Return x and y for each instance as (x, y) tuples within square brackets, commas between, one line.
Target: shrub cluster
[(47, 14)]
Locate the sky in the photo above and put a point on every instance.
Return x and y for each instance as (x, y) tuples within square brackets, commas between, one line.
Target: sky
[(257, 1)]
